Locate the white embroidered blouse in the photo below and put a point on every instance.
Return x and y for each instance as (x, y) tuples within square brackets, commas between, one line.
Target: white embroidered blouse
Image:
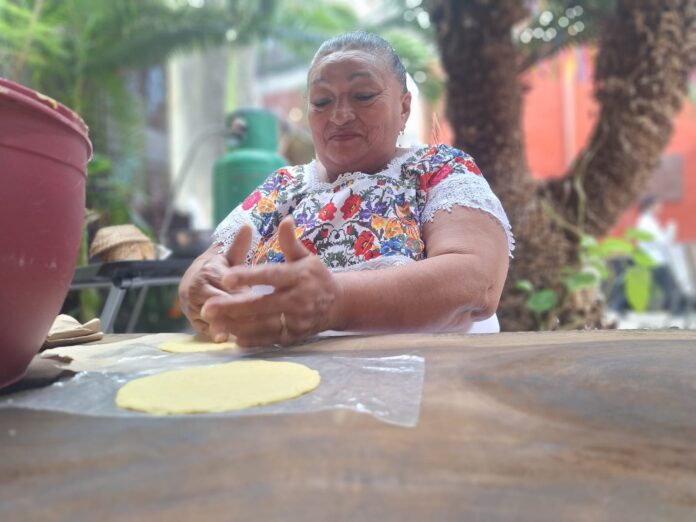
[(363, 221)]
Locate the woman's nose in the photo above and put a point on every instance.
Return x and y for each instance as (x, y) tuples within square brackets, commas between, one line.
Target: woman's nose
[(342, 113)]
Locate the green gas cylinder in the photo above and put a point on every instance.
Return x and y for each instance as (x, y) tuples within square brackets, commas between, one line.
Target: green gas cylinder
[(251, 156)]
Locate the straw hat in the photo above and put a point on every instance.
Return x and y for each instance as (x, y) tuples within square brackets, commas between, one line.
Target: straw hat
[(121, 243)]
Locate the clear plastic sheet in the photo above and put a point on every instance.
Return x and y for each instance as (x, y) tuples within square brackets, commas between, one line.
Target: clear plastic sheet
[(389, 388)]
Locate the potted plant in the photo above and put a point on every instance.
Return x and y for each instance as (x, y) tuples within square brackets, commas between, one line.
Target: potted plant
[(44, 150)]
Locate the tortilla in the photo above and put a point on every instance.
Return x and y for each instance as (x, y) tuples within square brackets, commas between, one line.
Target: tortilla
[(222, 387), (194, 344)]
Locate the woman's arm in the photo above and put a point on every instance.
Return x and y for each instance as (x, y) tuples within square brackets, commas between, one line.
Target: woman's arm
[(460, 281)]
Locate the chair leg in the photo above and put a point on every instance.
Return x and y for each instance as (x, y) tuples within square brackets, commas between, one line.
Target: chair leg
[(137, 310), (111, 308)]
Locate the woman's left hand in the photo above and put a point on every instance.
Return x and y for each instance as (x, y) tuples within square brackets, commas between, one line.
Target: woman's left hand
[(303, 303)]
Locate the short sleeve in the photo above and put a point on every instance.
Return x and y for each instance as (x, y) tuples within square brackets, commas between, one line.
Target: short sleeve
[(262, 210), (454, 179)]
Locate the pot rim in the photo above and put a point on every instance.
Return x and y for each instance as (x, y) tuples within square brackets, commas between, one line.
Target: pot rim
[(35, 100)]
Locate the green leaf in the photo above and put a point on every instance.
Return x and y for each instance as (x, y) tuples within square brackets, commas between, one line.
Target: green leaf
[(638, 284), (542, 301), (639, 235), (640, 258), (524, 285), (99, 164), (587, 241), (581, 280), (600, 266), (567, 271), (613, 246)]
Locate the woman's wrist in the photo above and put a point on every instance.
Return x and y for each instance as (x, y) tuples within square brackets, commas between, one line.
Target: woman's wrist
[(337, 308)]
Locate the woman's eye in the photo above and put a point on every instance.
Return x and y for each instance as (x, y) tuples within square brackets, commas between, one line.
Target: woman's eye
[(322, 102), (364, 96)]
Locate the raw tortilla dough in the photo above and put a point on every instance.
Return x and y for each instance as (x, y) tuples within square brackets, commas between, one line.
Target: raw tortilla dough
[(193, 344), (222, 387)]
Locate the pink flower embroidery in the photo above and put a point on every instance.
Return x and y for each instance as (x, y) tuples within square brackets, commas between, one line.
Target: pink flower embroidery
[(251, 200)]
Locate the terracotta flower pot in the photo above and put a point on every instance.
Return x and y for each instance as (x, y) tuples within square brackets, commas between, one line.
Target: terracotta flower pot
[(44, 150)]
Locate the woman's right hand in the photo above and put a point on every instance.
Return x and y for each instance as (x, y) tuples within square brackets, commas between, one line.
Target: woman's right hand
[(203, 279)]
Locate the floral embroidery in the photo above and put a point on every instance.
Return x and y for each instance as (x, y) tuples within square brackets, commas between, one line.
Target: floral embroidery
[(327, 212), (360, 216), (351, 206), (265, 205), (309, 245), (253, 198), (364, 242)]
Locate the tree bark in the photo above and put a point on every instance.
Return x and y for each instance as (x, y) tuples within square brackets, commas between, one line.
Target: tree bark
[(643, 64)]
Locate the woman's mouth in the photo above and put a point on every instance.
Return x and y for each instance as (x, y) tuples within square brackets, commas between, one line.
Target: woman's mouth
[(343, 136)]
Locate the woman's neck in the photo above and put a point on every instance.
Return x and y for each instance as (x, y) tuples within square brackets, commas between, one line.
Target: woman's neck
[(325, 175)]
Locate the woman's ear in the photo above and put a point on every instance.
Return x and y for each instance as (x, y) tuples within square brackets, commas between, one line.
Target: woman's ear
[(405, 107)]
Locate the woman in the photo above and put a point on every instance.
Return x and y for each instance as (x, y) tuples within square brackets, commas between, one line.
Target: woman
[(369, 237)]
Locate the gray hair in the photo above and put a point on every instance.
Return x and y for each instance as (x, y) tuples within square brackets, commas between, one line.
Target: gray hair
[(363, 41)]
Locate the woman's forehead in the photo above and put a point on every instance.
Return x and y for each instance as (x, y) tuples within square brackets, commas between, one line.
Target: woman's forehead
[(347, 65)]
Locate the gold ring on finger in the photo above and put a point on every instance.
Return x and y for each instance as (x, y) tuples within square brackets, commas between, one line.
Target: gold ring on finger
[(283, 326)]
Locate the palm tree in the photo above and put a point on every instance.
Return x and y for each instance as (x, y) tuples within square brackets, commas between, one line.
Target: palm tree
[(78, 51), (646, 51)]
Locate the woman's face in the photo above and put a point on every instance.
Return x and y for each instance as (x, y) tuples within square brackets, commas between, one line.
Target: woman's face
[(357, 108)]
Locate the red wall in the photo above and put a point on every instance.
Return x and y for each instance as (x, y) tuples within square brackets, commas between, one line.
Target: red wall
[(546, 133)]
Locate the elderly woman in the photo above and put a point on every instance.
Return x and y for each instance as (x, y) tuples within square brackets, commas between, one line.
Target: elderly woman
[(368, 237)]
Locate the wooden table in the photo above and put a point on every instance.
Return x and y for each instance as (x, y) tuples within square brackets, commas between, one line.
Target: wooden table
[(585, 426)]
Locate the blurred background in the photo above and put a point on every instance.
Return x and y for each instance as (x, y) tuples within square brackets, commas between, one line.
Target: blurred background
[(159, 83)]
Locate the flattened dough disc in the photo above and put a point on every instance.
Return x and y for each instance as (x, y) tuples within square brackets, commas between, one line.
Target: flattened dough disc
[(193, 344), (222, 387)]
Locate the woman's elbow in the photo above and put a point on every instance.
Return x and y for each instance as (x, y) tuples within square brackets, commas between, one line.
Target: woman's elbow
[(488, 305), (489, 293)]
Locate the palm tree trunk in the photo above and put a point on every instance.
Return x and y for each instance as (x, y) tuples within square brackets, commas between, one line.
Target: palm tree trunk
[(642, 70), (484, 106)]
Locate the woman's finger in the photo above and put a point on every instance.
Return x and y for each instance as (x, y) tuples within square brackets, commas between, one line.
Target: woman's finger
[(200, 326), (245, 327), (237, 253), (292, 248), (278, 275), (237, 306), (198, 299)]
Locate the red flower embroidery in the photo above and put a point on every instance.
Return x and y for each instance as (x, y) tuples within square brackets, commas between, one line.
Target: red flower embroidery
[(285, 173), (324, 233), (309, 245), (327, 212), (425, 180), (472, 167), (252, 200), (371, 254), (351, 206), (440, 175), (381, 183), (364, 242)]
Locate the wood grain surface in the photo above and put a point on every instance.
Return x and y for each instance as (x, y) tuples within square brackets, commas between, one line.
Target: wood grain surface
[(579, 426)]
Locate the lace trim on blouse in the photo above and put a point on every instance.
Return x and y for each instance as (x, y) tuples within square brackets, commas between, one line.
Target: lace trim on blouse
[(470, 192), (392, 170), (227, 231)]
